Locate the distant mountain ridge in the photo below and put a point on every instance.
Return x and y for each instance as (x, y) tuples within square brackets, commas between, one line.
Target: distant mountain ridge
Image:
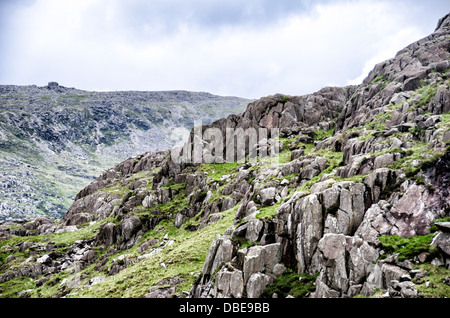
[(54, 139)]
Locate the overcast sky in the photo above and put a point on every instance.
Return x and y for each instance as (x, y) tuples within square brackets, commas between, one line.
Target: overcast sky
[(247, 48)]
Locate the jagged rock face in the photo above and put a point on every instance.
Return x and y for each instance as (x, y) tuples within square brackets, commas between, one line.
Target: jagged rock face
[(324, 209), (282, 111), (287, 114)]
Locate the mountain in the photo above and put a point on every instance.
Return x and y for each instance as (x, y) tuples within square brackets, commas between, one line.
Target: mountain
[(347, 196), (55, 140)]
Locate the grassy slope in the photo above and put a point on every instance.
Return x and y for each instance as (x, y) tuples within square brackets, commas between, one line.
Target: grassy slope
[(184, 258)]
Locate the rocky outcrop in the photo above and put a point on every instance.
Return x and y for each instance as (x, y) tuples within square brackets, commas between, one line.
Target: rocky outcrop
[(290, 115), (247, 273)]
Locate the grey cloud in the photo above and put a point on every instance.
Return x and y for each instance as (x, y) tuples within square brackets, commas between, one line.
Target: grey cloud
[(170, 14)]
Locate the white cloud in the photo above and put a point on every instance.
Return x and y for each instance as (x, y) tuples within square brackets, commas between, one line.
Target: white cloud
[(386, 47), (103, 45)]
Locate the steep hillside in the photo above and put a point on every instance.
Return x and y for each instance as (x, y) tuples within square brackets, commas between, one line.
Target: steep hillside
[(348, 197), (55, 140)]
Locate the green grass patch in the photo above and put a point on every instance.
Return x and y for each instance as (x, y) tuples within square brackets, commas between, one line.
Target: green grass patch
[(243, 242), (378, 122), (323, 134), (378, 79), (85, 233), (283, 157), (433, 285), (428, 92), (268, 212), (291, 283), (420, 152), (445, 122), (175, 186), (13, 287), (334, 159), (407, 248), (383, 79), (176, 204), (54, 286), (434, 228), (216, 171)]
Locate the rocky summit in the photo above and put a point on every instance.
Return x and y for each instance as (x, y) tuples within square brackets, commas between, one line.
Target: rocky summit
[(350, 199)]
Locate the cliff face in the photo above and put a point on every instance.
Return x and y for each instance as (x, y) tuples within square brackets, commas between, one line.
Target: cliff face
[(355, 203)]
